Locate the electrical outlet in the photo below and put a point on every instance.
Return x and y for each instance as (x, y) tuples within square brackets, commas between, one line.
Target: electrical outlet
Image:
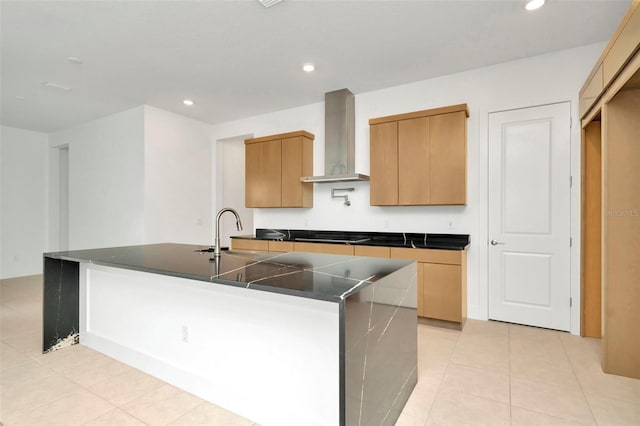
[(185, 334), (199, 221)]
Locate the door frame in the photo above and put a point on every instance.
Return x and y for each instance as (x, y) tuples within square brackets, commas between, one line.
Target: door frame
[(575, 210)]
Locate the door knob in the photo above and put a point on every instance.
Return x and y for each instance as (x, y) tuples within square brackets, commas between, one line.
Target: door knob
[(495, 243)]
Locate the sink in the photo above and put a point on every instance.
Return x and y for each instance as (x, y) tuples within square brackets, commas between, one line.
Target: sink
[(211, 249)]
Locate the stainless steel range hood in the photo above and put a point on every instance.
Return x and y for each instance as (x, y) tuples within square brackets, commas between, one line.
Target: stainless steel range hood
[(339, 139)]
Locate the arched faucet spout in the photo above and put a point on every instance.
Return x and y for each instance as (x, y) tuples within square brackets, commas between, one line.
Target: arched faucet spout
[(216, 251)]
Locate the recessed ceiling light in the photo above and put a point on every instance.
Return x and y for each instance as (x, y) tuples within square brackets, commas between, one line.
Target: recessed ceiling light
[(56, 86), (188, 102), (534, 4), (74, 60), (308, 67), (269, 3)]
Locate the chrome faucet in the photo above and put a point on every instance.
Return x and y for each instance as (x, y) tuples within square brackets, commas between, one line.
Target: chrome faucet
[(216, 250)]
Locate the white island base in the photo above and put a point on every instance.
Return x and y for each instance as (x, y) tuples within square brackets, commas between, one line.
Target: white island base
[(254, 353)]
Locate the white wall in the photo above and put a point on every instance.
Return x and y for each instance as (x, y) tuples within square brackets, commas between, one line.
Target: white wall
[(230, 186), (177, 172), (23, 201), (532, 81), (106, 181)]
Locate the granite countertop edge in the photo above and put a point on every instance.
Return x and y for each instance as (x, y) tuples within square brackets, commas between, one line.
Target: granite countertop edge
[(456, 242), (89, 257)]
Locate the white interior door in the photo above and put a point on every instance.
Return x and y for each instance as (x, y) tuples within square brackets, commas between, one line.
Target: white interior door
[(529, 216)]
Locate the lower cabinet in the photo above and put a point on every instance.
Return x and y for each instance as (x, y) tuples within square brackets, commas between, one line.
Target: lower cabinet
[(442, 274), (442, 282), (442, 292), (241, 244)]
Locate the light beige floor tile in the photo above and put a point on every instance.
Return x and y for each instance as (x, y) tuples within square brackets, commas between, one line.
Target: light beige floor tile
[(610, 386), (420, 401), (614, 412), (472, 326), (103, 368), (125, 387), (24, 373), (525, 331), (409, 420), (524, 417), (556, 371), (67, 359), (162, 405), (207, 414), (115, 417), (537, 346), (426, 331), (73, 409), (475, 381), (557, 401), (433, 358), (463, 409), (16, 327), (29, 344), (21, 399), (483, 356), (10, 356)]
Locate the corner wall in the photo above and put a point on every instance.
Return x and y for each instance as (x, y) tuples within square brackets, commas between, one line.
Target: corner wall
[(178, 193), (23, 201), (106, 181)]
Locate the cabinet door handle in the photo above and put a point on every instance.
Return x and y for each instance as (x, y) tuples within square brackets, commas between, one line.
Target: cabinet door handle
[(495, 243)]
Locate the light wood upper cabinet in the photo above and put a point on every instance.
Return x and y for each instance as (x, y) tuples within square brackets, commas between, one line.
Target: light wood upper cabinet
[(448, 165), (263, 179), (414, 153), (384, 164), (419, 158), (273, 168)]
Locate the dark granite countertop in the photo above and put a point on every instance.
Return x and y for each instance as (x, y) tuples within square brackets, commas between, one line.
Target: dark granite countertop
[(316, 276), (390, 239)]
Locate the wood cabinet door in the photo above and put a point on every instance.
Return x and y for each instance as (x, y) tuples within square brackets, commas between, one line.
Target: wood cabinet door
[(442, 291), (263, 181), (249, 245), (384, 164), (291, 172), (297, 161), (448, 163), (413, 162), (421, 292), (371, 251), (324, 248)]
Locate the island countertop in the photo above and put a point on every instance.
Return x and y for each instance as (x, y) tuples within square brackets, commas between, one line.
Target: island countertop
[(315, 276)]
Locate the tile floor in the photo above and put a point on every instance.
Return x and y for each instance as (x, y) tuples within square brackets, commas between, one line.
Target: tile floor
[(489, 374)]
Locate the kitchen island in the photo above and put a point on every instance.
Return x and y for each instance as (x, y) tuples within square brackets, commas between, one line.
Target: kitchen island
[(282, 339)]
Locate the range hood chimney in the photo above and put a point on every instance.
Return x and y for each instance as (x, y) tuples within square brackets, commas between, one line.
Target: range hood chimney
[(339, 139)]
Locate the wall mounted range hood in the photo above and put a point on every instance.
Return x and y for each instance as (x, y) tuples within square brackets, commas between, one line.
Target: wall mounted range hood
[(339, 139)]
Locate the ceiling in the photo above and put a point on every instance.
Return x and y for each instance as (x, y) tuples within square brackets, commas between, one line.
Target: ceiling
[(237, 59)]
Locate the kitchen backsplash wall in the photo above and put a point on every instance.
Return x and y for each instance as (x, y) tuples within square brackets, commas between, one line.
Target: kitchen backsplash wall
[(545, 79)]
